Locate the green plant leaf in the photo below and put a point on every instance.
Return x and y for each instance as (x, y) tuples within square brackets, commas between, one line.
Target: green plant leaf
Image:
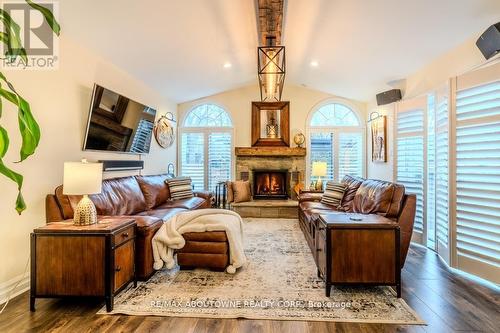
[(49, 17), (28, 127), (30, 131), (18, 179), (4, 141), (12, 38)]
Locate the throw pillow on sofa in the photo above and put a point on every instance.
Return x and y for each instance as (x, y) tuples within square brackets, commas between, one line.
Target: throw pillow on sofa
[(334, 192), (180, 188), (241, 191), (229, 189)]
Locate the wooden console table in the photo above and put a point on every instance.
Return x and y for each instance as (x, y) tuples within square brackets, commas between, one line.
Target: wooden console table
[(95, 260), (358, 252)]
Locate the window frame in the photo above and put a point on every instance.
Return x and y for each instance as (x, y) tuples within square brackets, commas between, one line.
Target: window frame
[(336, 130), (206, 131)]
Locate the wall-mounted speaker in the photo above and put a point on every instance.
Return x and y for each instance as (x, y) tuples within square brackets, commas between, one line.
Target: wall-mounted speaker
[(388, 97), (117, 165), (489, 42)]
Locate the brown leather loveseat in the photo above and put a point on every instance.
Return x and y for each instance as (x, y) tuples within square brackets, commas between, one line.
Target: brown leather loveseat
[(364, 196), (147, 200)]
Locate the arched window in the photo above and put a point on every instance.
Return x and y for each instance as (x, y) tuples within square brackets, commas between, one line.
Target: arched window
[(336, 136), (206, 146)]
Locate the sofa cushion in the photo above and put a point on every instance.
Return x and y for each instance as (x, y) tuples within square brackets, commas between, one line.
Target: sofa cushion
[(308, 205), (119, 196), (154, 189), (352, 183), (334, 192), (207, 236), (397, 201), (163, 213), (189, 203), (374, 197), (180, 188)]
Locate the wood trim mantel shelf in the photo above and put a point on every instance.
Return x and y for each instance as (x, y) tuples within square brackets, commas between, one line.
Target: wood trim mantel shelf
[(270, 151)]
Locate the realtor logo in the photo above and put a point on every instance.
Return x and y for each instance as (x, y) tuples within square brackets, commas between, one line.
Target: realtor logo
[(36, 35)]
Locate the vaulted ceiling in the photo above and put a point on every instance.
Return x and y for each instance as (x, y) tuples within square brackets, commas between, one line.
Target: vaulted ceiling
[(180, 47)]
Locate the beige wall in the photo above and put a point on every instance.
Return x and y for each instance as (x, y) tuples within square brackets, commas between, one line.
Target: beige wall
[(454, 62), (238, 104), (432, 76), (60, 101)]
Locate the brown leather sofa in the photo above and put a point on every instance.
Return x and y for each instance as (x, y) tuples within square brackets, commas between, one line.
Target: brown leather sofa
[(364, 196), (147, 200)]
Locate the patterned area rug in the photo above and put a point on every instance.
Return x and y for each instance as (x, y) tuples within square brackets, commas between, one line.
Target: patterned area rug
[(278, 283)]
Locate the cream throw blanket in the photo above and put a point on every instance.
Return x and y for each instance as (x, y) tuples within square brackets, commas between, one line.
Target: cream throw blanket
[(169, 237)]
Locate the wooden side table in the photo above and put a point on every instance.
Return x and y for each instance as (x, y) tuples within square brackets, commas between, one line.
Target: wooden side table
[(95, 260), (365, 252)]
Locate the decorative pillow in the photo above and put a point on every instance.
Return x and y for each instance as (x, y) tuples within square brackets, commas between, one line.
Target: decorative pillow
[(180, 188), (241, 191), (333, 194), (229, 191)]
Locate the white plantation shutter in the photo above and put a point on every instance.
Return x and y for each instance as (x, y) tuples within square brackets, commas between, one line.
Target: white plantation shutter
[(322, 149), (206, 146), (193, 158), (431, 171), (350, 154), (410, 162), (478, 177), (442, 174), (219, 158)]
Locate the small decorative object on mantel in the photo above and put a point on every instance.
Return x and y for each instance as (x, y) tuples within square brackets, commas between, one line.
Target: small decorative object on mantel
[(299, 139), (83, 178), (164, 131), (379, 137)]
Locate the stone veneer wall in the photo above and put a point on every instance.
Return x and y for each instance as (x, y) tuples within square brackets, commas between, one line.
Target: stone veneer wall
[(290, 163)]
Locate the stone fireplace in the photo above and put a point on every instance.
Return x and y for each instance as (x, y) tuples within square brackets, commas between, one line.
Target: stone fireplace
[(270, 184), (276, 169)]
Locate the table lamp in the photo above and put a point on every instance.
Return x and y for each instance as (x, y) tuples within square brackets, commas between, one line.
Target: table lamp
[(319, 170), (83, 178)]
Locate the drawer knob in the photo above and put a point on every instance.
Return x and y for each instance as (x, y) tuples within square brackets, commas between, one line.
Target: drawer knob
[(125, 235), (322, 228), (118, 268), (318, 250)]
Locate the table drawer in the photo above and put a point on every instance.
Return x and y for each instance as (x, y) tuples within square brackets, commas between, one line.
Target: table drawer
[(124, 235)]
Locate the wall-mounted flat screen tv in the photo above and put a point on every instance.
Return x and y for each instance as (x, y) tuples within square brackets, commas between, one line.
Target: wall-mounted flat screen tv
[(117, 123)]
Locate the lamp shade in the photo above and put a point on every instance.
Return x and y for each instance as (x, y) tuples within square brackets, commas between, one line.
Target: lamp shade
[(82, 178), (318, 169)]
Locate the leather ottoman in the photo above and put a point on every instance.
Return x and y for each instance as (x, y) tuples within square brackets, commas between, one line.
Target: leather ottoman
[(208, 249)]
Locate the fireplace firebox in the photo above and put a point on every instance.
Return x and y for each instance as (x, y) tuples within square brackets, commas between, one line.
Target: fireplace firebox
[(270, 184)]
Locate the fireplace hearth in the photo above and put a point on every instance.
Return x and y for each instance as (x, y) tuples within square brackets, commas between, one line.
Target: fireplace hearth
[(270, 184)]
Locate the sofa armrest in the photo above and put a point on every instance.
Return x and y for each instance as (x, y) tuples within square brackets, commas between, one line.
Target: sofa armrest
[(309, 196), (204, 194), (52, 210)]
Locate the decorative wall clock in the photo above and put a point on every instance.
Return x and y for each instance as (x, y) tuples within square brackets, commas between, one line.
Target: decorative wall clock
[(164, 132)]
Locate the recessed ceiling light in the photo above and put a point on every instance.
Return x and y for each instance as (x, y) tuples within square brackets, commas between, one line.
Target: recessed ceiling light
[(314, 63), (227, 65)]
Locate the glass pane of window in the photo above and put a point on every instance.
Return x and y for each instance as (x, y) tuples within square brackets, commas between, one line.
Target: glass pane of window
[(350, 154), (322, 150), (334, 115), (219, 158), (208, 115), (193, 158)]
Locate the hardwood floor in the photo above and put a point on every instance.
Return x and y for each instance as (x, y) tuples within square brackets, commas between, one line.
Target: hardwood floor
[(447, 301)]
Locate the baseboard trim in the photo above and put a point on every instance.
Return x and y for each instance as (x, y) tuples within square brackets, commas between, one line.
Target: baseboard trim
[(6, 287)]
